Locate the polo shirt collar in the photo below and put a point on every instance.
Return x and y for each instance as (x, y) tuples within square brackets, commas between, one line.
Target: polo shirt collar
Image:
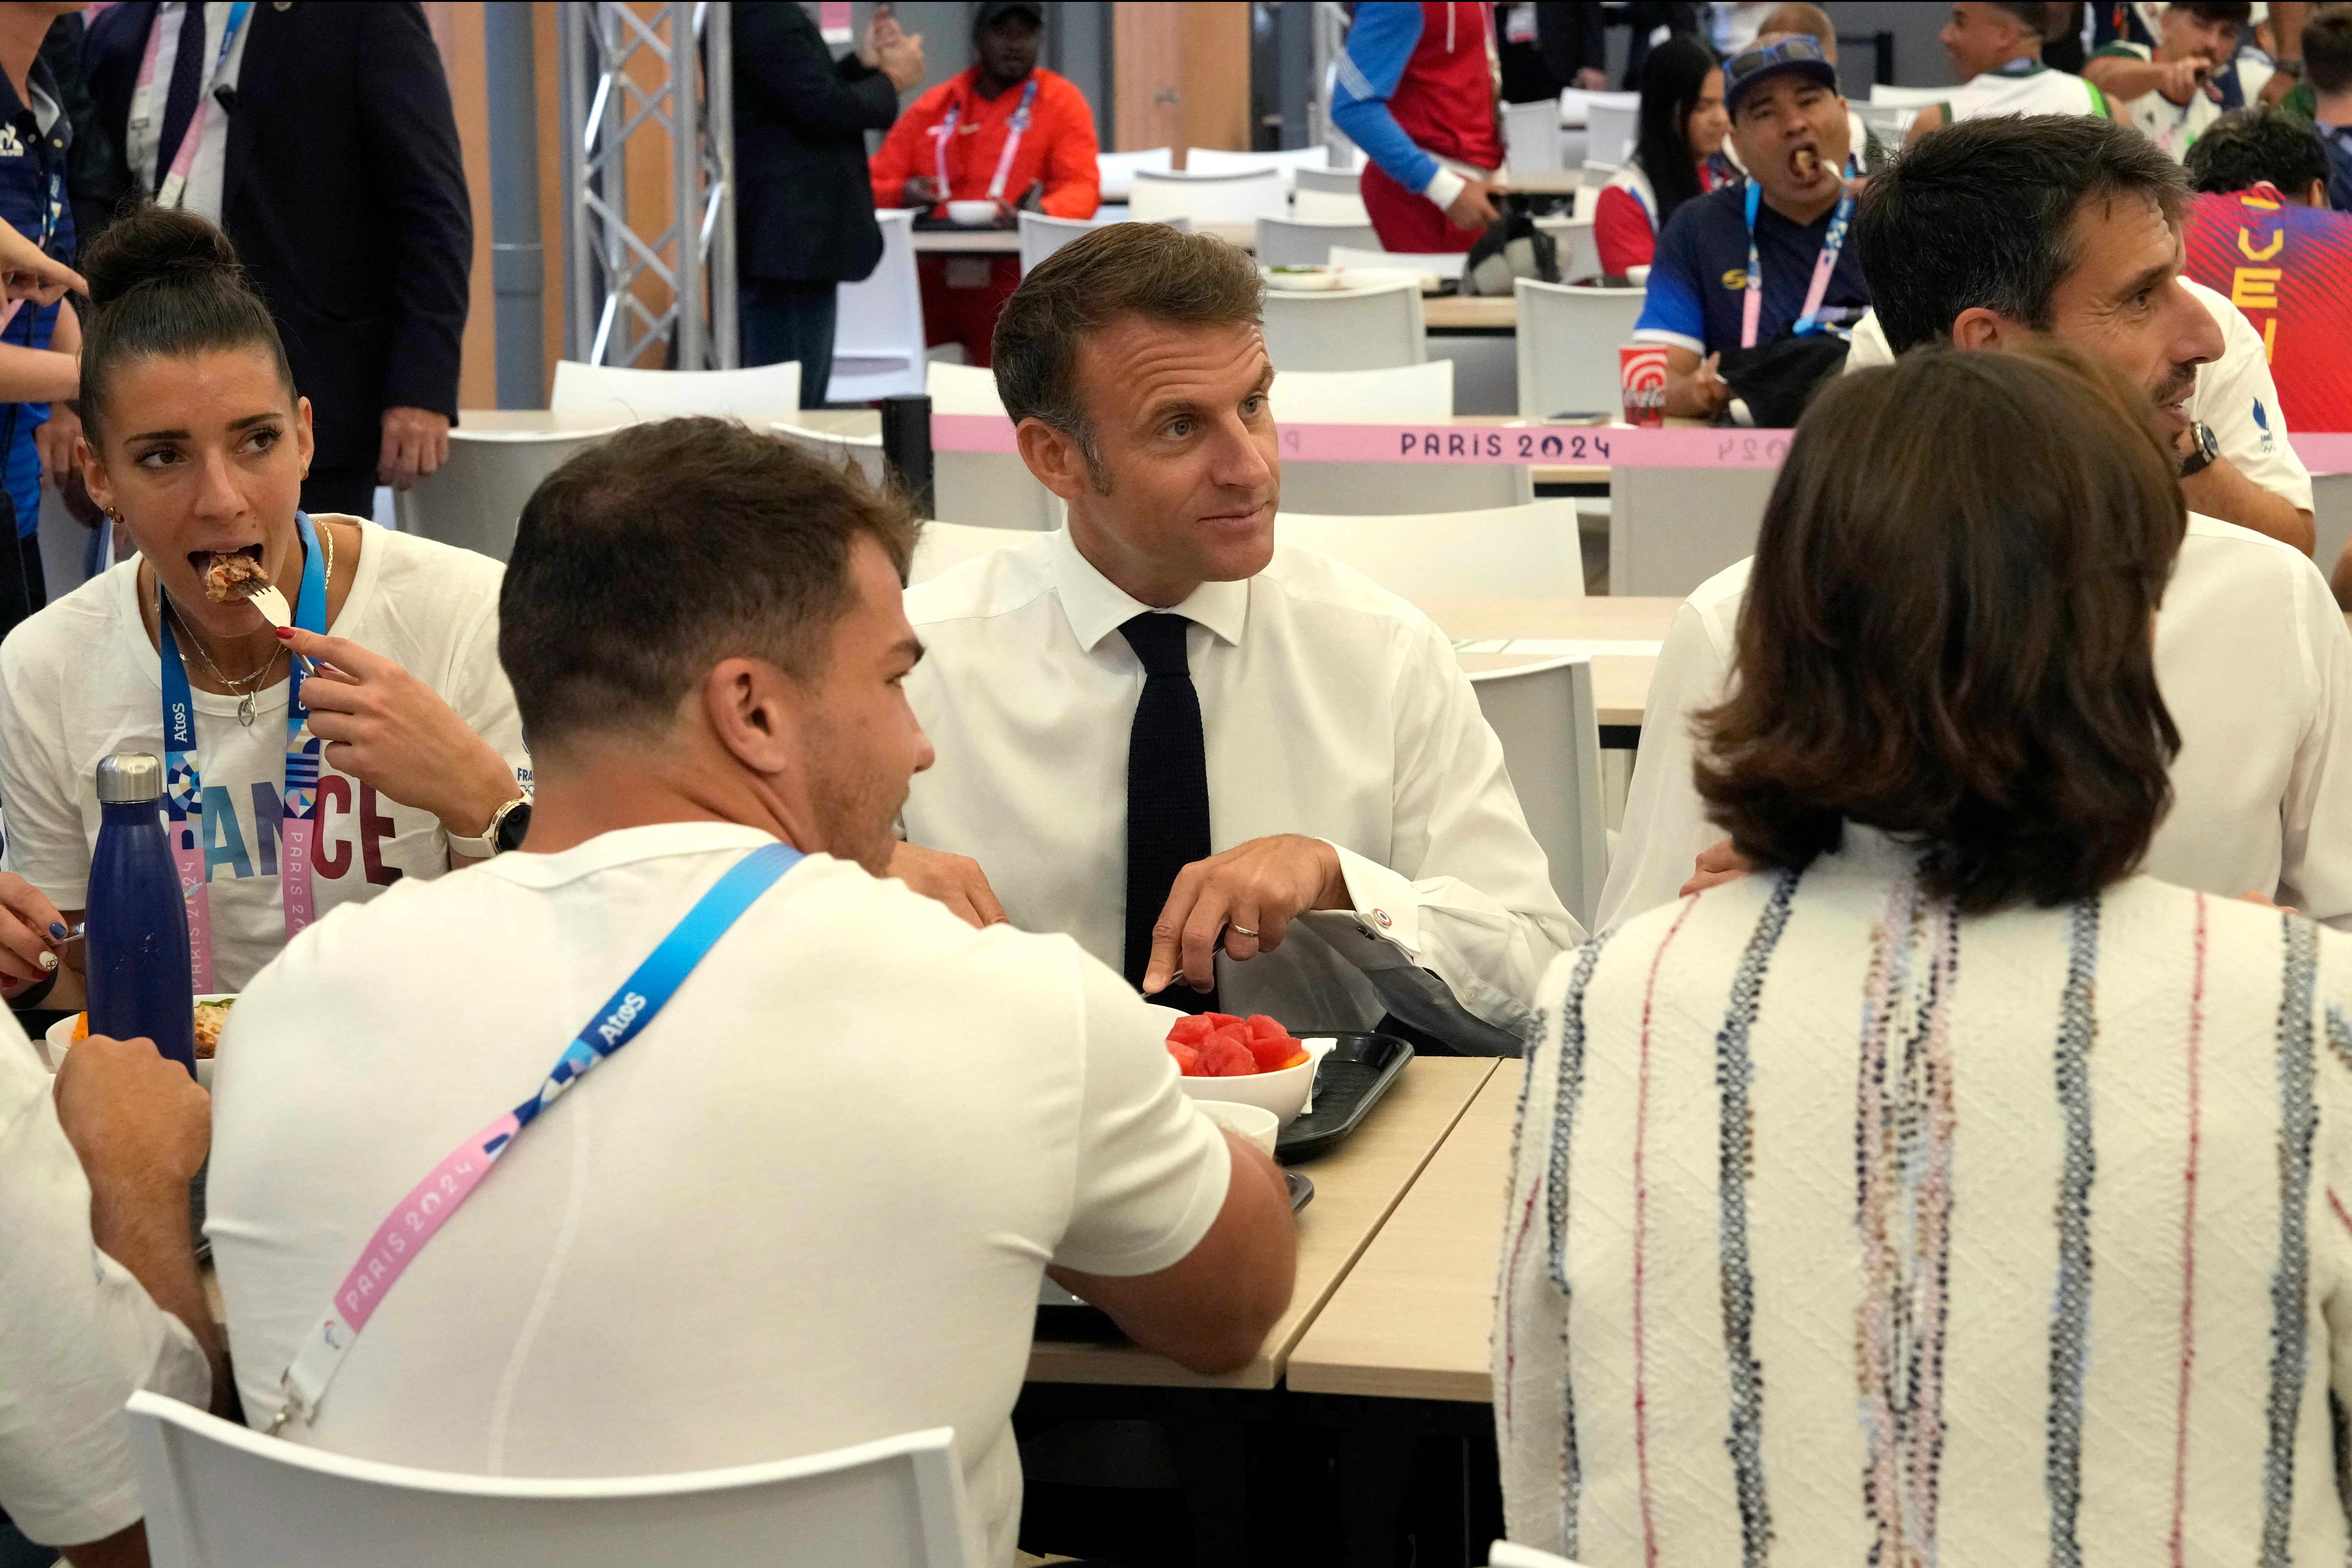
[(1098, 607)]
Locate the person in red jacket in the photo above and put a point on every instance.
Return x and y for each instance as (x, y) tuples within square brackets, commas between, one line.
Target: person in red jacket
[(1006, 131), (1417, 91)]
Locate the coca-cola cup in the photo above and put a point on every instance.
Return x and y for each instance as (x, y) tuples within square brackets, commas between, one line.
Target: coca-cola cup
[(1642, 374)]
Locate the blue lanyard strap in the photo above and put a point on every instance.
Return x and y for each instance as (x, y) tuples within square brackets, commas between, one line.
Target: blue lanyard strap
[(1832, 246)]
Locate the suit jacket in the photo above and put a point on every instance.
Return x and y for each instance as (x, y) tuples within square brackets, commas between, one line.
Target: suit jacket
[(806, 214), (345, 193)]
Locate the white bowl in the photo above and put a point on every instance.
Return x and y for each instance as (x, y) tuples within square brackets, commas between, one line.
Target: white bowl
[(1253, 1122), (1300, 280), (59, 1036), (1285, 1091), (971, 214)]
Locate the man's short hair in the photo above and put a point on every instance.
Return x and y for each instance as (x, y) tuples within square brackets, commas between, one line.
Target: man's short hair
[(665, 548), (1981, 214), (1797, 16), (2034, 15), (2253, 145), (2239, 11), (2328, 50), (1144, 269)]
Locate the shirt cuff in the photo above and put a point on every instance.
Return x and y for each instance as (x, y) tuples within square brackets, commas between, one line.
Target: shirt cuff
[(1653, 335), (1386, 907), (1443, 188)]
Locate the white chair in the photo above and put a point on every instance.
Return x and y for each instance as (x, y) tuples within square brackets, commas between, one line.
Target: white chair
[(1576, 103), (1405, 394), (1908, 97), (1115, 171), (1611, 128), (1331, 181), (219, 1496), (1580, 253), (1508, 552), (1209, 198), (1435, 264), (1221, 160), (993, 490), (1503, 1554), (636, 396), (1545, 718), (863, 453), (1531, 137), (474, 499), (1345, 329), (1568, 341), (1672, 529), (1283, 242), (1042, 235), (942, 546), (1329, 206), (877, 330), (1890, 122), (1591, 179)]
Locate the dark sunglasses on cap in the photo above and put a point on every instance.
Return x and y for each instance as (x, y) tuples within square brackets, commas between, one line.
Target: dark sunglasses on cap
[(1798, 53)]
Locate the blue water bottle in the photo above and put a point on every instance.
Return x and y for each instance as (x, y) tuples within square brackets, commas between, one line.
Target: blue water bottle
[(138, 955)]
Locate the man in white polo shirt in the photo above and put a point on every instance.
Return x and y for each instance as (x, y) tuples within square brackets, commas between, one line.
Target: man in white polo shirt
[(1995, 47), (2073, 228), (808, 1207), (1238, 770), (2169, 89)]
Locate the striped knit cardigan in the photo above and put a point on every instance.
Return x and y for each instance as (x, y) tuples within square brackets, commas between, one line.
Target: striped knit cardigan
[(1843, 1229)]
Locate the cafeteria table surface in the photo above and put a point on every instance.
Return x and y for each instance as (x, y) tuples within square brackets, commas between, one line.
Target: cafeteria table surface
[(1620, 680), (1007, 241), (1356, 1186), (1471, 313), (1412, 1318)]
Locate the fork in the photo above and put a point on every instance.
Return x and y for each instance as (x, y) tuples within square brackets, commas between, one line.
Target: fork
[(272, 604)]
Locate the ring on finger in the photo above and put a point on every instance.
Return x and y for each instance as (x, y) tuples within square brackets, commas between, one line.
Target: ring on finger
[(1244, 931)]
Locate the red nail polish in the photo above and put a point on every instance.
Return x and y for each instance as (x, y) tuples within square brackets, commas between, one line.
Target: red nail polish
[(286, 634)]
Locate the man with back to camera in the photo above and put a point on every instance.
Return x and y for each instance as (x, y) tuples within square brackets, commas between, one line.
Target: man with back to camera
[(1995, 47), (1789, 126), (1238, 770), (2074, 230), (2168, 89), (809, 1205), (2328, 58)]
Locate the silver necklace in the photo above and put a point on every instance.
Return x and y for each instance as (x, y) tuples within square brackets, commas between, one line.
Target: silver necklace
[(241, 685)]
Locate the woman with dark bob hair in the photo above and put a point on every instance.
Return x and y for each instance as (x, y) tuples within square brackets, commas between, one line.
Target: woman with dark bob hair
[(1942, 1189)]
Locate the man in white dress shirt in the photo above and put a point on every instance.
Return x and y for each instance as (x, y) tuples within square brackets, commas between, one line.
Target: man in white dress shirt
[(2073, 229), (1302, 811)]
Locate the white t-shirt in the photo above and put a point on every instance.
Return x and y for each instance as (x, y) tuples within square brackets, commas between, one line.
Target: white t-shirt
[(2034, 89), (77, 1333), (80, 681), (808, 1207), (2234, 396), (2174, 127)]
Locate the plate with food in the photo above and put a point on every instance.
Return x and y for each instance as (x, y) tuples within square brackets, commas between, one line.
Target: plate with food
[(1301, 278), (212, 1015)]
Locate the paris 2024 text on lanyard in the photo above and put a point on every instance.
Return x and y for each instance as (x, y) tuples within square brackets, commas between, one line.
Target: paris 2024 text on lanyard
[(429, 1206)]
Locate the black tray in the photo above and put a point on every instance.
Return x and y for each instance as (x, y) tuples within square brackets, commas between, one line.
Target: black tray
[(1084, 1323), (1353, 1076)]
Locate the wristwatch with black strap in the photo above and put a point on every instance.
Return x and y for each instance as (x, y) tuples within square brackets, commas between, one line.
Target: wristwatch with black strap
[(508, 826), (2204, 449)]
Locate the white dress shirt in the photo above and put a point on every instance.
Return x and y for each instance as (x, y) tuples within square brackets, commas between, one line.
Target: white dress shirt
[(1328, 706), (2254, 664), (203, 195), (2234, 396)]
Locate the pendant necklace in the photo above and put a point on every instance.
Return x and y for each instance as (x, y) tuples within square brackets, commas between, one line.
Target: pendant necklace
[(240, 685)]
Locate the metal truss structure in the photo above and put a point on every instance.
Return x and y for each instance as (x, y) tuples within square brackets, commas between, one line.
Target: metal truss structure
[(650, 72)]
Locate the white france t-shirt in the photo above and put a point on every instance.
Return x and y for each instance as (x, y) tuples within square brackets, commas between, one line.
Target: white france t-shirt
[(81, 681)]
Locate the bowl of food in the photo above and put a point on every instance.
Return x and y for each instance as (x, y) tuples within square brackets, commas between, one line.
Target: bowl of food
[(972, 214), (212, 1013), (1301, 278), (1252, 1123), (1251, 1061)]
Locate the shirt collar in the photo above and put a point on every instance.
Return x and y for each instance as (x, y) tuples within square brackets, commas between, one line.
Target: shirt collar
[(1096, 606), (2024, 65)]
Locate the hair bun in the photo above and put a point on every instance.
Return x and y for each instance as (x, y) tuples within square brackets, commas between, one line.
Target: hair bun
[(157, 244)]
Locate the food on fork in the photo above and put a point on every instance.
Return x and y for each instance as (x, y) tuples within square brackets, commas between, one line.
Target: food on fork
[(1219, 1045), (233, 576)]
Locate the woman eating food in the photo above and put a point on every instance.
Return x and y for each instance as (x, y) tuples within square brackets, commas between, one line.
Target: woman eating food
[(375, 727)]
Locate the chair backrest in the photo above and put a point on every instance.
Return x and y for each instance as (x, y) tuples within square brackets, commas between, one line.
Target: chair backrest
[(1116, 171), (1219, 161), (1283, 242), (863, 453), (1042, 235), (1503, 1554), (1435, 264), (1502, 551), (1329, 206), (1531, 137), (640, 394), (1345, 329), (1580, 253), (1672, 529), (219, 1496), (1908, 97), (1209, 198), (877, 330), (993, 490), (942, 546), (476, 498), (1593, 176), (1610, 131), (1331, 181), (1576, 104), (1567, 343), (1404, 393), (1547, 721)]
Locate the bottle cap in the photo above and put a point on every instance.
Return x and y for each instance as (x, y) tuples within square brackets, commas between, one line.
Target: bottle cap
[(127, 778)]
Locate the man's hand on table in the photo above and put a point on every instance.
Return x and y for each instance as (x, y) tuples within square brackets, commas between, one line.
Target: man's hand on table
[(1718, 863), (955, 880), (1249, 894)]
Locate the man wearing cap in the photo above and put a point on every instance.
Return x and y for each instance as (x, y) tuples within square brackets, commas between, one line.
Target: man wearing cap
[(1742, 266), (1006, 131)]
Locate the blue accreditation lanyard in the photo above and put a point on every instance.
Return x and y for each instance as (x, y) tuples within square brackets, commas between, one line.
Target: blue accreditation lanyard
[(1825, 264), (189, 813), (429, 1206)]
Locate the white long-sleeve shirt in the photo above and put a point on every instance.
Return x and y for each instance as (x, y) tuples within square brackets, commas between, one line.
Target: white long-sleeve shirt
[(2253, 661), (1330, 708)]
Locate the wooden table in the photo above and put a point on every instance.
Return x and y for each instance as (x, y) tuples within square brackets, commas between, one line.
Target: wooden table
[(1355, 1188), (1462, 314), (1621, 682), (1412, 1318)]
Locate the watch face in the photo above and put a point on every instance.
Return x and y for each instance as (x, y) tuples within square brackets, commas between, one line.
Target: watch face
[(513, 827)]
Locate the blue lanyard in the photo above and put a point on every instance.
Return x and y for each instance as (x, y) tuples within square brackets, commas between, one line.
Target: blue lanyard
[(449, 1184), (1833, 244)]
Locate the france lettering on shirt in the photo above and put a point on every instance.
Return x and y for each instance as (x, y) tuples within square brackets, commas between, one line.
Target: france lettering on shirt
[(238, 845)]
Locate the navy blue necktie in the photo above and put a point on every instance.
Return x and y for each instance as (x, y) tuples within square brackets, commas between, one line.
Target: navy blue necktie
[(187, 87), (1167, 793)]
